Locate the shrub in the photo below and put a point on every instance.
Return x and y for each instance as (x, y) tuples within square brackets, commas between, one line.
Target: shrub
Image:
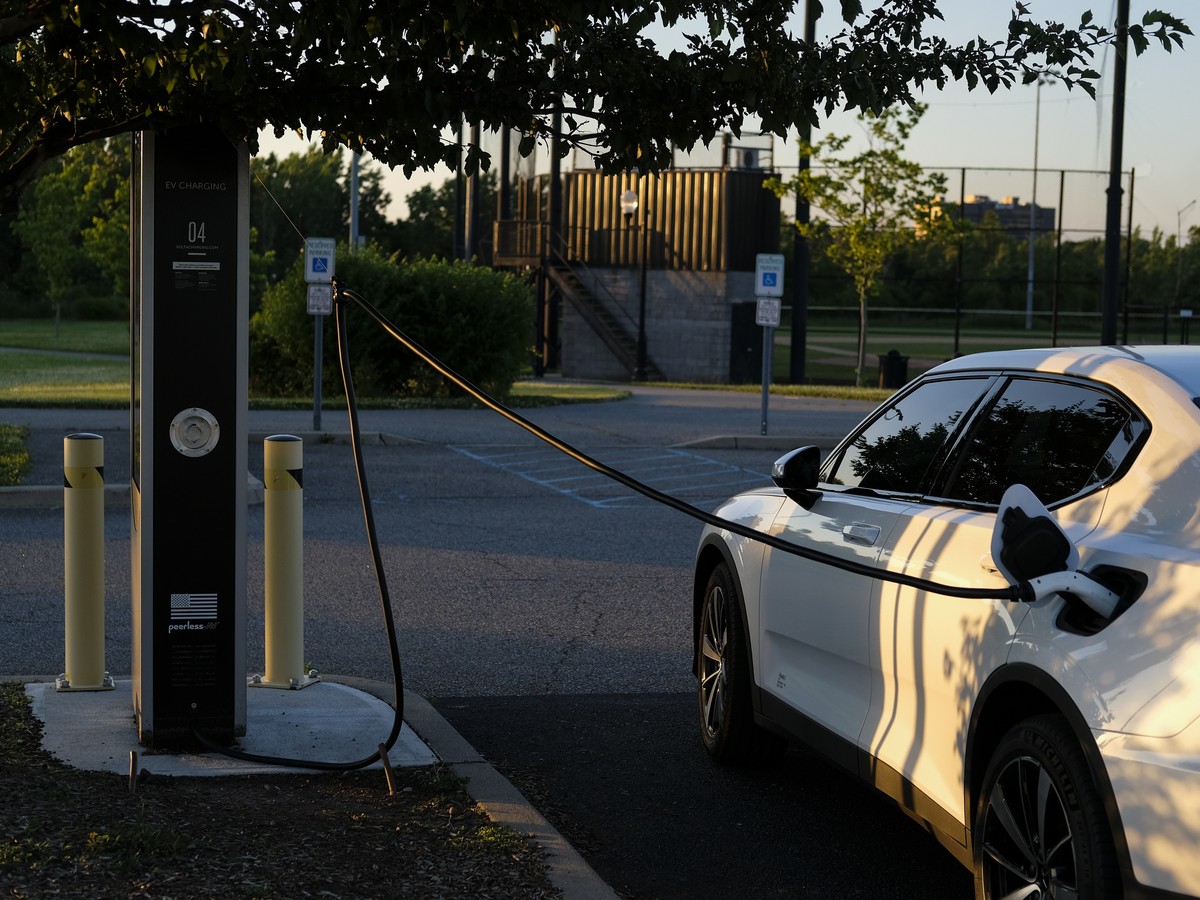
[(476, 321), (14, 457)]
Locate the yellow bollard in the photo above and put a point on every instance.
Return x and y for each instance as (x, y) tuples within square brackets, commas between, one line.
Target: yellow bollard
[(83, 564), (283, 557)]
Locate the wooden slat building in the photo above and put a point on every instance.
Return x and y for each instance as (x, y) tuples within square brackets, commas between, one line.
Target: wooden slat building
[(698, 230)]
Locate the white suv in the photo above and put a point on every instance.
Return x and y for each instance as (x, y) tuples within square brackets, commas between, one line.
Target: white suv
[(1050, 742)]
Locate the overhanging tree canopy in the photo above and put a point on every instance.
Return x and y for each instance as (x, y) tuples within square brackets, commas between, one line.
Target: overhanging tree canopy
[(390, 76)]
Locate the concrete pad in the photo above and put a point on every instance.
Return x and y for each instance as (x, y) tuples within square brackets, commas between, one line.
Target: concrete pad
[(325, 722)]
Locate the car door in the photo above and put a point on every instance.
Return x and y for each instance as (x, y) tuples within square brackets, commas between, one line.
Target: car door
[(1063, 439), (814, 622)]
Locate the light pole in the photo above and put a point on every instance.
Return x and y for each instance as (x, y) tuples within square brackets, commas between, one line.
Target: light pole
[(1037, 122), (1179, 249), (629, 205)]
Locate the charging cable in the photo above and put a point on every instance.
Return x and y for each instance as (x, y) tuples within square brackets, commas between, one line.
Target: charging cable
[(1012, 593), (380, 580), (1023, 591)]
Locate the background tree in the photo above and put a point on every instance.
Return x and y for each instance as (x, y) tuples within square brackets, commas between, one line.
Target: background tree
[(393, 78), (428, 229), (308, 195), (75, 230), (870, 205)]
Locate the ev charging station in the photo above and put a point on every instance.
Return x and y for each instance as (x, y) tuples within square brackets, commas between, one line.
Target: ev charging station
[(190, 226)]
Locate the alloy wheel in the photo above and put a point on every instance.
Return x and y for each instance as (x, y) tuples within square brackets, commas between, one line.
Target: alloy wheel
[(1028, 842)]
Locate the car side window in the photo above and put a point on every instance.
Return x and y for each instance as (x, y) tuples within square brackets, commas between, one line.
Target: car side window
[(898, 450), (1058, 439)]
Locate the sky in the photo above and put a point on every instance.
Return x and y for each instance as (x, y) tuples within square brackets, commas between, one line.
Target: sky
[(984, 133)]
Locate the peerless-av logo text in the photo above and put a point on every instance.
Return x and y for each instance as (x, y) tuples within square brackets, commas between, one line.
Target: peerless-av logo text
[(193, 612)]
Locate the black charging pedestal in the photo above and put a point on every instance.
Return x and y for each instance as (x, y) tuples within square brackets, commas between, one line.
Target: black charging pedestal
[(190, 298)]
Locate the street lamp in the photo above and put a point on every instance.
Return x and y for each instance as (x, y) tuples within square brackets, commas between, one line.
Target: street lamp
[(629, 206)]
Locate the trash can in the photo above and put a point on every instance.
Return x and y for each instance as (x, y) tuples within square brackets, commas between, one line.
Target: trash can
[(893, 369)]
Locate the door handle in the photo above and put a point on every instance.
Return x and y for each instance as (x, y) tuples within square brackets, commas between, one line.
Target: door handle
[(858, 533)]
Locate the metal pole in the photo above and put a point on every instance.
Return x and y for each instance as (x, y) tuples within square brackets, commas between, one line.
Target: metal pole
[(458, 200), (471, 238), (801, 254), (354, 161), (505, 187), (318, 367), (768, 365), (1037, 122), (640, 373), (1109, 301), (83, 564), (1062, 186), (1124, 292), (958, 276)]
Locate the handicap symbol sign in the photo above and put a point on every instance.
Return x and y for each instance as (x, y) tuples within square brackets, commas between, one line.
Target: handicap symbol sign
[(768, 279), (318, 257)]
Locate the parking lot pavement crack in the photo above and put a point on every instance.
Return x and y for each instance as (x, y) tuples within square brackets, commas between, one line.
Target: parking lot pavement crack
[(572, 645)]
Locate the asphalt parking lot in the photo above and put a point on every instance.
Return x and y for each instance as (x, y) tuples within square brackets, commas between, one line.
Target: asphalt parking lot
[(545, 614)]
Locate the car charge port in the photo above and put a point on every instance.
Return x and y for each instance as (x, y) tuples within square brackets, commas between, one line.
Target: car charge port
[(1077, 617)]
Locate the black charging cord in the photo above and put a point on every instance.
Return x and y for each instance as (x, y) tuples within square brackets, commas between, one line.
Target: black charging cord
[(342, 294), (380, 580), (1021, 592)]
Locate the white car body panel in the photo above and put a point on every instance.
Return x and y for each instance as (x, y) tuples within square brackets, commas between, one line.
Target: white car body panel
[(814, 619), (1157, 783), (932, 653)]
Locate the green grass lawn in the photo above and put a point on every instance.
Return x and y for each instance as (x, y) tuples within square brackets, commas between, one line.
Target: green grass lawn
[(76, 337), (47, 379)]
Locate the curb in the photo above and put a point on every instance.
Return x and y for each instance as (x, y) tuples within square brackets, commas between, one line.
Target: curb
[(116, 496), (504, 804), (756, 442)]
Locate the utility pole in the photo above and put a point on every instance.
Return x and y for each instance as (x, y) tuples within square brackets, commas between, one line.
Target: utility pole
[(800, 250), (1110, 300)]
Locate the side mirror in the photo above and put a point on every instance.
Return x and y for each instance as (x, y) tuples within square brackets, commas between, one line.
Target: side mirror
[(796, 473), (1030, 549)]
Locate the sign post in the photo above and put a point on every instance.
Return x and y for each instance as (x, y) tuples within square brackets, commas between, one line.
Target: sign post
[(318, 273), (768, 288)]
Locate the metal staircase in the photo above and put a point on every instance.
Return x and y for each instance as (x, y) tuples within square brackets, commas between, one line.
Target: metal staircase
[(615, 335)]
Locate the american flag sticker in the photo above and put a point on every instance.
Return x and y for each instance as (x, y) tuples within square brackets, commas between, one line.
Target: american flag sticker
[(193, 606)]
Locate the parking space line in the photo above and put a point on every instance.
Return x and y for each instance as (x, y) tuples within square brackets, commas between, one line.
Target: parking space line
[(675, 472)]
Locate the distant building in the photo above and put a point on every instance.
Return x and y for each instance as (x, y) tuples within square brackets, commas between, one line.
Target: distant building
[(1012, 214)]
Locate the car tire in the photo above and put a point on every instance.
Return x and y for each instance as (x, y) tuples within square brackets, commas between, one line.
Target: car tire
[(1040, 825), (723, 689)]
